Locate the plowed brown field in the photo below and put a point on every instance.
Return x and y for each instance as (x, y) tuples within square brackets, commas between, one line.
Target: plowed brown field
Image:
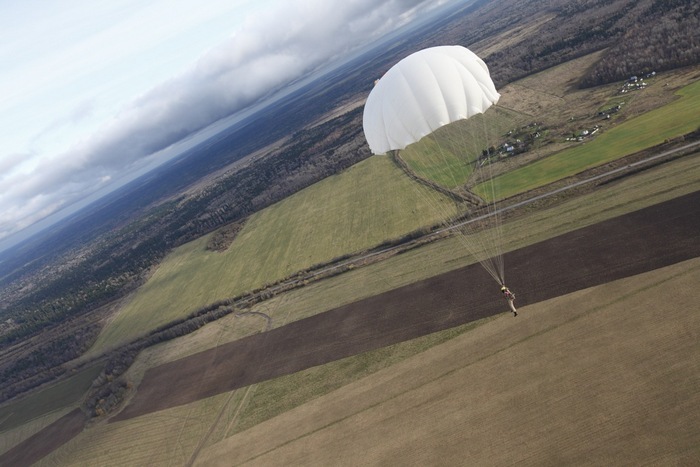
[(628, 245), (641, 241)]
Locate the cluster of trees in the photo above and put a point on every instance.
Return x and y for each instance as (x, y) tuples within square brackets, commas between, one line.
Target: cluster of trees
[(638, 36), (222, 238), (107, 397), (124, 258), (95, 281), (43, 363), (666, 37)]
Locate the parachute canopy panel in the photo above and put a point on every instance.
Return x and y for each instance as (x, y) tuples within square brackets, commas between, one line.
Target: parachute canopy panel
[(423, 92)]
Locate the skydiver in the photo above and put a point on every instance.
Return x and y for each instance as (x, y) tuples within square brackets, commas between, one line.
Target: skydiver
[(510, 297)]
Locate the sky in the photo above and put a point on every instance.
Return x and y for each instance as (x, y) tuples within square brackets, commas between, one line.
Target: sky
[(91, 91)]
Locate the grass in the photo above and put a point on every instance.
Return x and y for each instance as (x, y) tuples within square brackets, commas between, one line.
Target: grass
[(357, 209), (23, 418), (647, 130), (447, 155), (15, 435), (279, 395), (534, 225), (365, 385), (606, 375), (643, 189), (361, 207), (172, 435), (164, 438), (365, 205), (155, 437), (556, 364), (61, 395)]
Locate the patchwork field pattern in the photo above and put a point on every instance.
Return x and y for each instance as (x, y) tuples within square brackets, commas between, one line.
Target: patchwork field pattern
[(641, 241)]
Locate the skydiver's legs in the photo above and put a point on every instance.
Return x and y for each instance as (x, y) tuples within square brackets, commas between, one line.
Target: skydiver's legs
[(512, 307)]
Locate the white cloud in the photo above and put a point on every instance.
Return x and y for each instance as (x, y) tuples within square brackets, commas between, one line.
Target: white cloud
[(267, 48)]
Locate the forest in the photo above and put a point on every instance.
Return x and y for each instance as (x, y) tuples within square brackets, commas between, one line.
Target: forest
[(121, 265)]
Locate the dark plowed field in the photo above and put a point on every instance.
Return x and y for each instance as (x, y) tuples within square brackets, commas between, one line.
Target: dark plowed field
[(34, 448), (641, 241)]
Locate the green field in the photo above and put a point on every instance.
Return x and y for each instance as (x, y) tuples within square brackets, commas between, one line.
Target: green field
[(21, 419), (654, 186), (293, 410), (365, 205), (533, 225), (647, 130), (55, 397), (369, 203), (171, 436), (446, 156)]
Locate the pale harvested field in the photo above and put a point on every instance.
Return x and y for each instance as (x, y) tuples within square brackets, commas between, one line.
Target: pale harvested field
[(510, 37), (12, 437), (170, 436), (369, 203), (608, 375), (175, 435)]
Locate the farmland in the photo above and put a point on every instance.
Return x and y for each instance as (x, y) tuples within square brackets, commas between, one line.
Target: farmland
[(371, 202), (17, 420), (477, 375), (651, 187), (607, 374), (655, 127), (348, 383), (495, 357)]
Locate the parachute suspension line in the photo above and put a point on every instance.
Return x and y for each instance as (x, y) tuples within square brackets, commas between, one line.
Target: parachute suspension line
[(482, 242), (430, 195), (491, 183), (475, 241), (483, 175), (458, 88)]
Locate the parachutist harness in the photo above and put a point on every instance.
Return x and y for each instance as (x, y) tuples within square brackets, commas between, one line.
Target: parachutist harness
[(507, 293)]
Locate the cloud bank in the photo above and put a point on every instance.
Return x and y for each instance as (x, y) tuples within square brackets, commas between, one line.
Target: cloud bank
[(270, 49)]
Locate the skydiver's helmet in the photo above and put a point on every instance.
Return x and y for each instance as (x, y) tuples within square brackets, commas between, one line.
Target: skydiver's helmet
[(504, 288)]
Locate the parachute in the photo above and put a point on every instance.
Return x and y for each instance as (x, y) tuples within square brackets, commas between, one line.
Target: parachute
[(423, 92), (429, 93)]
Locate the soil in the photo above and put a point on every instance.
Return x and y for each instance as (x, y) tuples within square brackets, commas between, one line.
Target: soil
[(45, 441), (625, 246), (641, 241)]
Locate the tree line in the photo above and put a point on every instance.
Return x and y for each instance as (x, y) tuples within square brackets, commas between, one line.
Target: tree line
[(637, 36), (666, 37), (123, 260)]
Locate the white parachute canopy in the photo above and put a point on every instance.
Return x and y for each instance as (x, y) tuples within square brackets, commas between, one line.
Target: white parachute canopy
[(423, 92)]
